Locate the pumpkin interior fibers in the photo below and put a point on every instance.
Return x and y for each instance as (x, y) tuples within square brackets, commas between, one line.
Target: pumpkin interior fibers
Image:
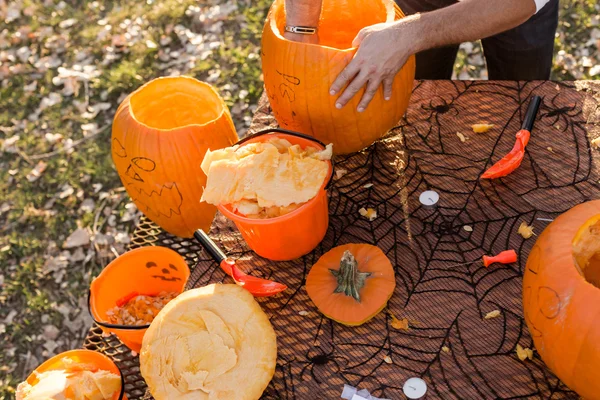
[(586, 250)]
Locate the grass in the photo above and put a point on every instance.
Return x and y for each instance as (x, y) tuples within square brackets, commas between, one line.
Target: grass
[(35, 220)]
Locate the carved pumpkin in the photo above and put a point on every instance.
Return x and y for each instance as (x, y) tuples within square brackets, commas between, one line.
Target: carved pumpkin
[(351, 283), (561, 297), (160, 134), (298, 76)]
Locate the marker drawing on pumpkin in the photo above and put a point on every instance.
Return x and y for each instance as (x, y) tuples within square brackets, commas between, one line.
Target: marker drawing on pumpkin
[(286, 91), (290, 78), (118, 148), (549, 302)]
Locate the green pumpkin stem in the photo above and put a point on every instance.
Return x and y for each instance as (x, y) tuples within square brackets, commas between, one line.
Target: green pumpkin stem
[(350, 280)]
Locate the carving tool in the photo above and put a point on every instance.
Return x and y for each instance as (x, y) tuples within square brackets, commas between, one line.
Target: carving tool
[(512, 160), (257, 286), (505, 257)]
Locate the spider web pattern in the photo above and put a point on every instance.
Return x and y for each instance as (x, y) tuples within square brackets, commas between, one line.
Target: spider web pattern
[(458, 353)]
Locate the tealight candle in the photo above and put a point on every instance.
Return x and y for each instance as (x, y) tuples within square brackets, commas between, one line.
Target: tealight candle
[(429, 198), (415, 388)]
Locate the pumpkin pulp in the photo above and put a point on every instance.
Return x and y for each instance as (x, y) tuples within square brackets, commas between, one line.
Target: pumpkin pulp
[(350, 280), (586, 250)]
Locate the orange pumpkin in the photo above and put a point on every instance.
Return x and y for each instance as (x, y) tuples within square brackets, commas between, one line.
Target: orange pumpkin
[(160, 134), (298, 76), (84, 359), (351, 283), (561, 297)]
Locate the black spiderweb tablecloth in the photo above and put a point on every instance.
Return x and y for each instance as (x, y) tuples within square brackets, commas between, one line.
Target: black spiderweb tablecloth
[(458, 353)]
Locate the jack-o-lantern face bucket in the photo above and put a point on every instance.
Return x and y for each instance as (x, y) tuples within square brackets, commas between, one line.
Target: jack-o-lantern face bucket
[(145, 271), (561, 297), (160, 134), (82, 357)]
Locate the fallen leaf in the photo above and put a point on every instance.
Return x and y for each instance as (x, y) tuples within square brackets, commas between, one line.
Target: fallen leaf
[(445, 349), (492, 314), (303, 313), (462, 137), (53, 138), (369, 213), (79, 237), (481, 128), (550, 149), (401, 324), (525, 230), (37, 171), (524, 353), (387, 359), (468, 228), (65, 191), (368, 185), (9, 145), (596, 142)]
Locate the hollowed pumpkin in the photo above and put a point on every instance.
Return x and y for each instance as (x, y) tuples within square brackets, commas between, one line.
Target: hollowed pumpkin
[(298, 76), (561, 297), (160, 134), (351, 283)]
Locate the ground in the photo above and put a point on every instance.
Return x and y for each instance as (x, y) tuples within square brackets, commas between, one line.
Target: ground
[(64, 68)]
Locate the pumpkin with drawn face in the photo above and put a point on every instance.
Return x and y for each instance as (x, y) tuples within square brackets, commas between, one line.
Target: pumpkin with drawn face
[(159, 137), (561, 298)]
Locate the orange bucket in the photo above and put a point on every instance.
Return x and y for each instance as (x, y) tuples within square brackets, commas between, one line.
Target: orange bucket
[(81, 356), (291, 235), (147, 271)]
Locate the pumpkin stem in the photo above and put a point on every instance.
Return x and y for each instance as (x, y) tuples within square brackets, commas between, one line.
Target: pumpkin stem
[(350, 280)]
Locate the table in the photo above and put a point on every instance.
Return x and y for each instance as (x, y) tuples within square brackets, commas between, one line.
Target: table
[(458, 353)]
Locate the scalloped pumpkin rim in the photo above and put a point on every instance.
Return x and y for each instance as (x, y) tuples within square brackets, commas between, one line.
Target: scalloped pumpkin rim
[(161, 78), (389, 5)]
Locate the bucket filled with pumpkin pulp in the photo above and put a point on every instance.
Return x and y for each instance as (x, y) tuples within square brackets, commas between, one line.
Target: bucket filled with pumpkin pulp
[(133, 288), (273, 186)]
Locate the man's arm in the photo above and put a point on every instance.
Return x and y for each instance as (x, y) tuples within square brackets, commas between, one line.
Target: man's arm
[(302, 13), (384, 48)]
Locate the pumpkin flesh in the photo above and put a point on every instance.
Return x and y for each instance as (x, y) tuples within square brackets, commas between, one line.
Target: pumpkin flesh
[(160, 134), (298, 76), (561, 300), (379, 285)]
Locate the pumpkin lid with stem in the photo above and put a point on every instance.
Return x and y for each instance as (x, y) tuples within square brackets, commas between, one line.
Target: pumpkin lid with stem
[(351, 283)]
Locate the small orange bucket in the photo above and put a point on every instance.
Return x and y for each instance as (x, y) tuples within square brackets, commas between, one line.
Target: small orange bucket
[(147, 271), (291, 235), (85, 357)]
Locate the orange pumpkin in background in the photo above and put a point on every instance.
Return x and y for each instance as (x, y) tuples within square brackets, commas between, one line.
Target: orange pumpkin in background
[(561, 298), (160, 134), (351, 283), (298, 76)]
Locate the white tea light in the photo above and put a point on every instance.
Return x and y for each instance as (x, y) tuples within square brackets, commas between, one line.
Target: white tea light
[(415, 388), (429, 198)]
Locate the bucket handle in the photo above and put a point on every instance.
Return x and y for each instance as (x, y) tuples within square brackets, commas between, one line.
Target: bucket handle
[(291, 133), (112, 326)]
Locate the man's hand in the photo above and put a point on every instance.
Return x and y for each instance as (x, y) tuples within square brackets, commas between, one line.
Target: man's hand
[(382, 51), (384, 48)]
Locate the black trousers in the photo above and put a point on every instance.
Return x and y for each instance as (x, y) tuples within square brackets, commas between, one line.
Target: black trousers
[(522, 53)]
